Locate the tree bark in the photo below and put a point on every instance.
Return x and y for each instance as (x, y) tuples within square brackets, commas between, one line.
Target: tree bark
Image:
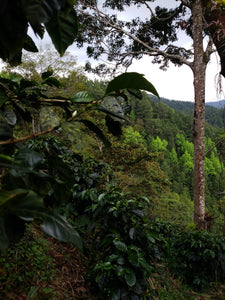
[(199, 68)]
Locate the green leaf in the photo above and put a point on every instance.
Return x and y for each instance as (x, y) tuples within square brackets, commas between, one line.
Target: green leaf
[(62, 28), (58, 227), (47, 74), (130, 277), (38, 12), (29, 44), (96, 130), (120, 245), (132, 81), (52, 81), (6, 197), (145, 265), (28, 158), (10, 116), (82, 97), (131, 233)]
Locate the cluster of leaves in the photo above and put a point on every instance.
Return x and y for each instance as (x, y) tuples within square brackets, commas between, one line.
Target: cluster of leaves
[(31, 180), (198, 258), (20, 98), (56, 16), (115, 229)]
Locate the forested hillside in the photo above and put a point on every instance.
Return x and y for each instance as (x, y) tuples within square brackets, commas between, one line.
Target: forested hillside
[(214, 111), (120, 191), (107, 192)]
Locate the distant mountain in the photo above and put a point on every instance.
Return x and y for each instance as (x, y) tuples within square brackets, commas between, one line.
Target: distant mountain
[(214, 113), (217, 104)]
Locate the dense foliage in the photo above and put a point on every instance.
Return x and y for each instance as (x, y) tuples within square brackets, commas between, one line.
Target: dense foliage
[(102, 190)]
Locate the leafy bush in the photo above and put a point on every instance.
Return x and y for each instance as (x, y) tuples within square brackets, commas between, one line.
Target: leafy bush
[(198, 258), (116, 231)]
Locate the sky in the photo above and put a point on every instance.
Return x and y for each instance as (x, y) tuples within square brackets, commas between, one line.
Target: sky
[(176, 83)]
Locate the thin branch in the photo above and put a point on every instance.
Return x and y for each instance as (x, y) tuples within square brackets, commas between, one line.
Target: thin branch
[(34, 135), (103, 18), (214, 146)]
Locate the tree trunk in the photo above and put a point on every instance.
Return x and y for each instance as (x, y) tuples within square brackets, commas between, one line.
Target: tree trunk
[(199, 67)]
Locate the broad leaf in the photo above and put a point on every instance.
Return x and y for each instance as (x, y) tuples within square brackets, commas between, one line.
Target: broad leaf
[(120, 245), (6, 197), (58, 227), (5, 159), (132, 81), (82, 97), (130, 277), (28, 158), (38, 12), (111, 113), (52, 81), (47, 74), (25, 203), (96, 130), (13, 27), (10, 116), (62, 28), (29, 44)]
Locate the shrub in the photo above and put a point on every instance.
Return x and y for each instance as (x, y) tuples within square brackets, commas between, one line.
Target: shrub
[(118, 235), (198, 258)]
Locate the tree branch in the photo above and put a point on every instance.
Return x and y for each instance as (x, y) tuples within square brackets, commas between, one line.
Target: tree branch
[(34, 135), (105, 19)]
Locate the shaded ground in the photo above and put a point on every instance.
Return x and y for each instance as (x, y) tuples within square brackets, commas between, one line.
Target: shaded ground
[(68, 275)]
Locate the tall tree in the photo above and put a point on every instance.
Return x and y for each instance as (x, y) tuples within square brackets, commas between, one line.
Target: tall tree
[(156, 35)]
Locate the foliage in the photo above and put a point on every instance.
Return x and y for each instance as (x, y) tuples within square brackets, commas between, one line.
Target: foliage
[(57, 17), (198, 258), (119, 237), (26, 188)]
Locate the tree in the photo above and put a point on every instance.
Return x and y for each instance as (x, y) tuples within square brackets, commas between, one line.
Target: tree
[(122, 41)]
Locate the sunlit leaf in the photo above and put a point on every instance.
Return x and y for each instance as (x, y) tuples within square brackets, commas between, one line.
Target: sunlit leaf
[(82, 97)]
